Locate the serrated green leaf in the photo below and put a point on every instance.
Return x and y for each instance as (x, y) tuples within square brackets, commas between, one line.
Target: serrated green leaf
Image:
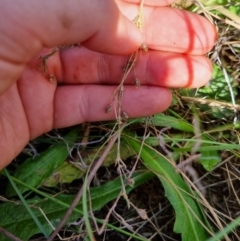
[(187, 209), (35, 171), (17, 220)]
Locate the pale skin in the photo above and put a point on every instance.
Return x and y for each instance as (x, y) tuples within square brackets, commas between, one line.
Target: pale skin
[(31, 104)]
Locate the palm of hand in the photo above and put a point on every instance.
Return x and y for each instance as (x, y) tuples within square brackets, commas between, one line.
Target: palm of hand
[(83, 80)]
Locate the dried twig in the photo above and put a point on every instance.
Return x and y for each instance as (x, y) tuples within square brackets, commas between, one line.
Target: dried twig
[(121, 116), (9, 235)]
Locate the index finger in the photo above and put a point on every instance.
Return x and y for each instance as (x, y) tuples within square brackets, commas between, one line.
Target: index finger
[(173, 30), (152, 2)]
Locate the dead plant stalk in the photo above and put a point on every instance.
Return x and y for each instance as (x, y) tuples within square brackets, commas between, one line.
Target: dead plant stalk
[(121, 115)]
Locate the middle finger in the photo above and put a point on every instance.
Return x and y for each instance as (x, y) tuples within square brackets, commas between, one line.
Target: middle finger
[(82, 66)]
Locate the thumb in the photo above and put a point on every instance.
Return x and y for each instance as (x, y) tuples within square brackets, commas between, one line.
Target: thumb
[(29, 26)]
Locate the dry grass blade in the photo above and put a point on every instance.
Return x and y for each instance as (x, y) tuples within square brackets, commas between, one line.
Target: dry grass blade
[(130, 63), (9, 235)]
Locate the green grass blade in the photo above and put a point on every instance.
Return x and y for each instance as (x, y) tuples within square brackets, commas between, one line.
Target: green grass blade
[(220, 147), (218, 236), (86, 210), (29, 210)]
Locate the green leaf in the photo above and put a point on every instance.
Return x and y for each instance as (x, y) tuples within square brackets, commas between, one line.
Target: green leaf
[(173, 122), (209, 159), (67, 172), (235, 9), (35, 171), (16, 219), (188, 211)]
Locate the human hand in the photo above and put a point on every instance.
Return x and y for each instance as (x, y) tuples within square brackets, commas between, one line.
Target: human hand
[(83, 79)]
